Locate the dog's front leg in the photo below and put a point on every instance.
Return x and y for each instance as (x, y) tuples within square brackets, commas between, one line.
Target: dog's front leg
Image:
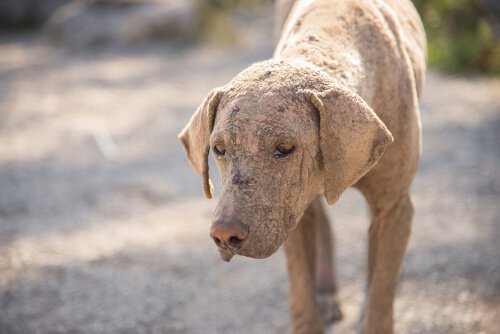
[(388, 237), (300, 254), (326, 287)]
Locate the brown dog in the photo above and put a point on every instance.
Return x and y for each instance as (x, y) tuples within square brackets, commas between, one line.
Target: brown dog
[(317, 118)]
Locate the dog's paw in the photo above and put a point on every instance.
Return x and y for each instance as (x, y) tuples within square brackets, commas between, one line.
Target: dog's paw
[(329, 307)]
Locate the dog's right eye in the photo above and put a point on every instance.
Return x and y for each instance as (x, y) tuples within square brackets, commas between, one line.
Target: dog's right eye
[(283, 150), (219, 150)]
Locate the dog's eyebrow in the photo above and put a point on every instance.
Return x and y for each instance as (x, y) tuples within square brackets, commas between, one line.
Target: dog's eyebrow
[(218, 134)]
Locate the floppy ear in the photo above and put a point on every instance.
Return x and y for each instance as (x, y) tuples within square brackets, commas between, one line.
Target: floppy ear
[(352, 138), (196, 135)]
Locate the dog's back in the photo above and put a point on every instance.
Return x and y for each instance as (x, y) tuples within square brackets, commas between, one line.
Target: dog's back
[(347, 37), (414, 38)]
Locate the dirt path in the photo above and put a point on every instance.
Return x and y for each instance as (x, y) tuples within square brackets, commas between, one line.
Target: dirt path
[(103, 228)]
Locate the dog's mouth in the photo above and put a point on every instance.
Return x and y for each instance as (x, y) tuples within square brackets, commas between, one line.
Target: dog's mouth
[(256, 245), (225, 254)]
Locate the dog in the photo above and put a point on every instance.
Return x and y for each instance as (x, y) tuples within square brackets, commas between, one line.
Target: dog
[(336, 107)]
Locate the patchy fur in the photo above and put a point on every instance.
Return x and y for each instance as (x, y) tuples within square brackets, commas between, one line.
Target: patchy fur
[(316, 119)]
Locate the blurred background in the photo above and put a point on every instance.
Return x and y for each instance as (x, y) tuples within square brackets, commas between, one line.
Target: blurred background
[(103, 226)]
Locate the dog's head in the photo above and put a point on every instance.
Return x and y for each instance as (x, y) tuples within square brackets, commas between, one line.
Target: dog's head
[(281, 132)]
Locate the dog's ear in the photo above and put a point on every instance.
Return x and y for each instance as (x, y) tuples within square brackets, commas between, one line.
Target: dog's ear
[(196, 135), (352, 138)]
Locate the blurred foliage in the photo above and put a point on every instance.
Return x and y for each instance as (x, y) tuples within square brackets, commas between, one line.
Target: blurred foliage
[(228, 4), (461, 36), (216, 19)]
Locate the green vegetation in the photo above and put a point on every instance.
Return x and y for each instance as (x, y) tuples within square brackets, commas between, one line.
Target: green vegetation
[(215, 16), (460, 35)]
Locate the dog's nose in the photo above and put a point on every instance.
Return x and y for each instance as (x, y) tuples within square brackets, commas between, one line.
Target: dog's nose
[(232, 233)]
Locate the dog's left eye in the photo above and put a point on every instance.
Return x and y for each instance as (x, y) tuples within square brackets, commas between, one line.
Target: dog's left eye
[(219, 150), (282, 150)]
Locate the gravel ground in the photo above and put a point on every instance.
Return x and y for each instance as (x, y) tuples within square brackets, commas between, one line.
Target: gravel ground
[(103, 228)]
